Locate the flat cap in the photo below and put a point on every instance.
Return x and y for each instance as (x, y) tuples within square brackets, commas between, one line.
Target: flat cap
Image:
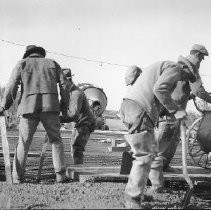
[(67, 72), (200, 48), (132, 74)]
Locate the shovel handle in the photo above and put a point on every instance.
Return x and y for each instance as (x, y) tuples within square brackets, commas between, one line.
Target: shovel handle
[(184, 153)]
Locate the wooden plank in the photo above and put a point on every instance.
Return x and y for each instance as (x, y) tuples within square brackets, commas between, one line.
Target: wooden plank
[(104, 173), (117, 149), (110, 132), (6, 152)]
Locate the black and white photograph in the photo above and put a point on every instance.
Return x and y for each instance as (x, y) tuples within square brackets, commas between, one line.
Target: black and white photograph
[(105, 104)]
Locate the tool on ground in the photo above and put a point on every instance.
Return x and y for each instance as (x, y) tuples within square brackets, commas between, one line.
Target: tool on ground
[(188, 194), (42, 157)]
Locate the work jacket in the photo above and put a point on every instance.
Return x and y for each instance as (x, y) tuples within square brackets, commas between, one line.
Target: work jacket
[(154, 87), (38, 78), (181, 93), (79, 110)]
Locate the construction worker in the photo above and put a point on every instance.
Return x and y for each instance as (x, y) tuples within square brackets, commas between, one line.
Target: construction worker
[(80, 113), (39, 102), (169, 132), (140, 111)]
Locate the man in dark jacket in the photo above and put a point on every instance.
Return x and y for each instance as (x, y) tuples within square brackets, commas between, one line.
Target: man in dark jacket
[(80, 113), (140, 112), (39, 102), (169, 132)]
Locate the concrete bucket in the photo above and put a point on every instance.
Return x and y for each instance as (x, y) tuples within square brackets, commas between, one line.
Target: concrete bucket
[(96, 97), (97, 101)]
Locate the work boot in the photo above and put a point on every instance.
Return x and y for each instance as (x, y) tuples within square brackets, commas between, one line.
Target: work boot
[(139, 173), (132, 203), (61, 177), (141, 202), (78, 157), (17, 181), (156, 176), (155, 189), (78, 160)]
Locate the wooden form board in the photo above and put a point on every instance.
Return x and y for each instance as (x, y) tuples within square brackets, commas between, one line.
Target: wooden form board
[(102, 173)]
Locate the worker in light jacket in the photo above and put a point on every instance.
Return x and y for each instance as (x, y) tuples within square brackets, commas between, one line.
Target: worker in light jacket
[(169, 132), (140, 112)]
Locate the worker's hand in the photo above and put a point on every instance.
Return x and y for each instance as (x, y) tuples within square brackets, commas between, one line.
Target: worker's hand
[(64, 119), (180, 114), (2, 111)]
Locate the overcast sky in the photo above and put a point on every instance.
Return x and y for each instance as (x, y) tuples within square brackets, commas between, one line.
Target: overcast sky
[(123, 32)]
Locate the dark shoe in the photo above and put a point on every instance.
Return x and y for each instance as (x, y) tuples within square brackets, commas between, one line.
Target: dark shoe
[(61, 178), (172, 170)]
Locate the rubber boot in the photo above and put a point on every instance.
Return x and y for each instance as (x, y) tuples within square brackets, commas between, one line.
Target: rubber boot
[(78, 156), (156, 176), (141, 146)]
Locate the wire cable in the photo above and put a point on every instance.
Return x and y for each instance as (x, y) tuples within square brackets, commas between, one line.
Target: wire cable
[(69, 56)]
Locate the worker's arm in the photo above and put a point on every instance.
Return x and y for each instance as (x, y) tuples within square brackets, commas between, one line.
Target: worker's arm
[(165, 85), (64, 88), (11, 88)]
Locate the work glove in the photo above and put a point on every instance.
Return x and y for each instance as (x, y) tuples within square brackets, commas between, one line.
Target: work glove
[(2, 111), (180, 114)]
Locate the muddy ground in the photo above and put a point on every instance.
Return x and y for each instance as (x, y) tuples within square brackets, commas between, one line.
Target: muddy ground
[(88, 195)]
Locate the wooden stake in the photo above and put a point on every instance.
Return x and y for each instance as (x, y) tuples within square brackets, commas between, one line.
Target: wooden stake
[(189, 193), (6, 152)]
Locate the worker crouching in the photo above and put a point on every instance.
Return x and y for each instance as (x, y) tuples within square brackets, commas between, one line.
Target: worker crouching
[(80, 114)]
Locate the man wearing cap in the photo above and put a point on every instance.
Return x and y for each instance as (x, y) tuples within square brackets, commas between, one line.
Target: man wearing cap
[(169, 132), (37, 77), (140, 112), (80, 113)]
